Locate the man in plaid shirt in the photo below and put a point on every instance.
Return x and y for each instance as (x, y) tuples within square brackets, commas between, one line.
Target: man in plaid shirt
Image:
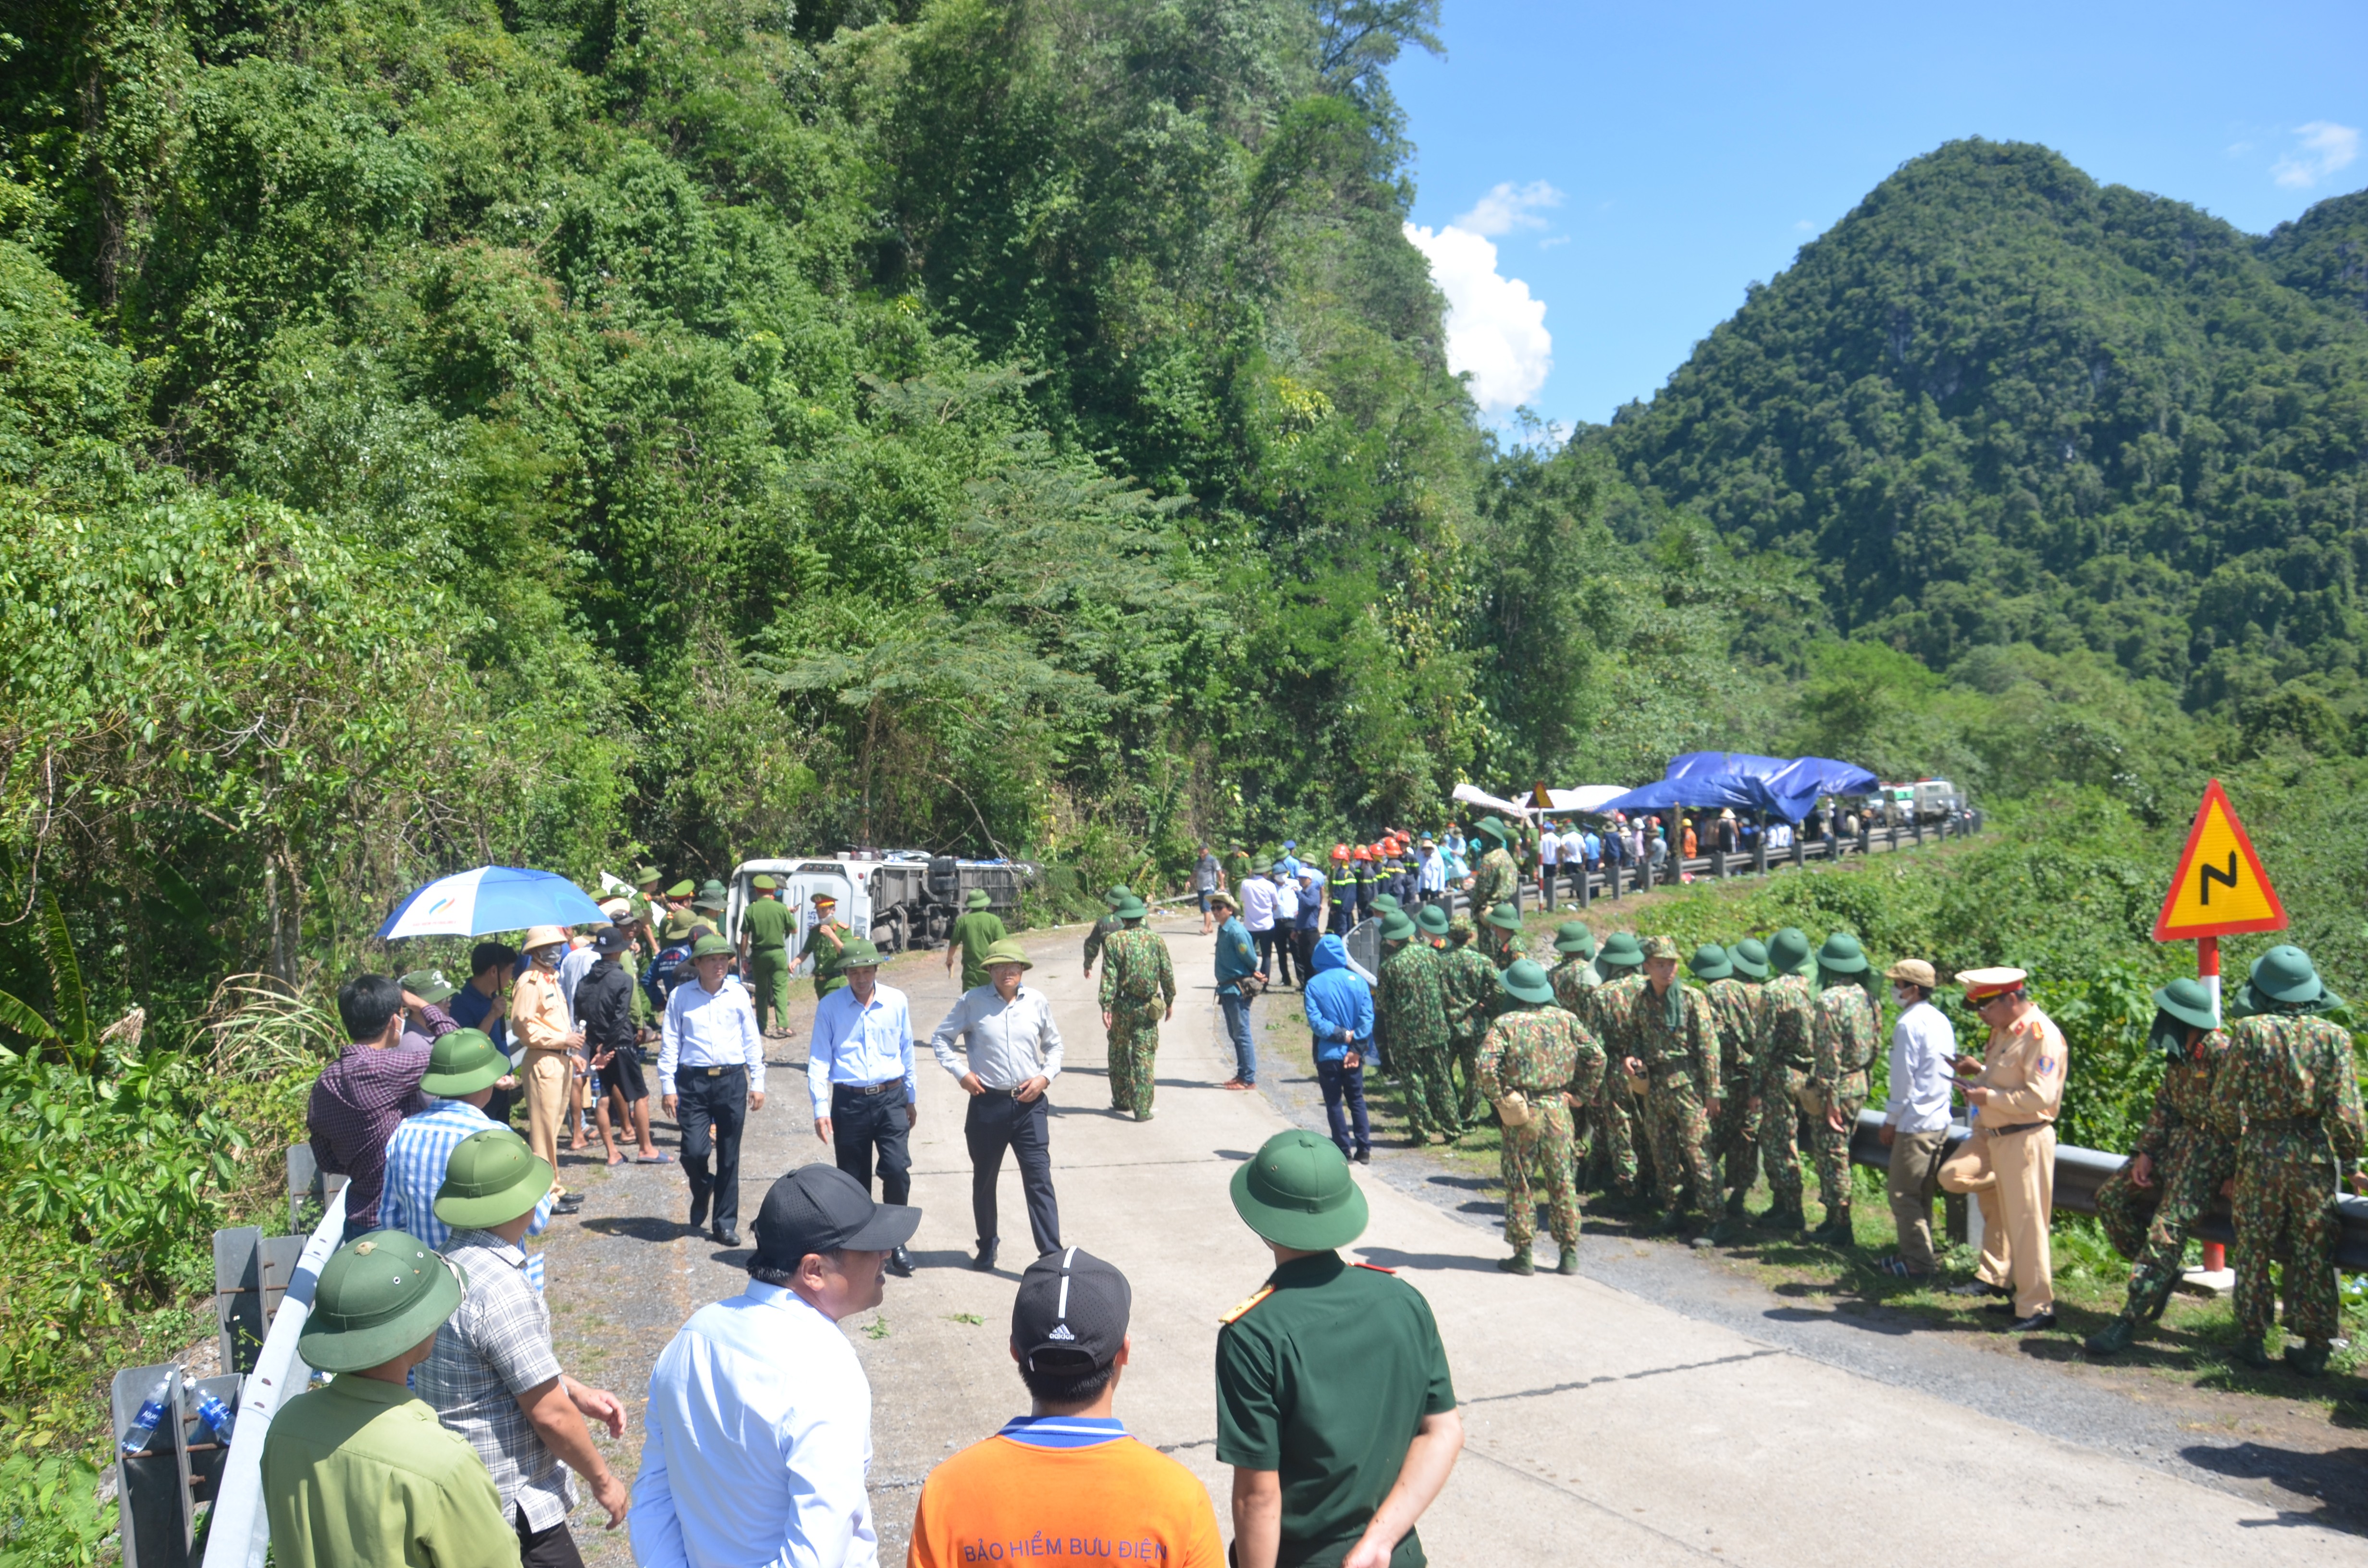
[(463, 1068), (494, 1377), (361, 1096)]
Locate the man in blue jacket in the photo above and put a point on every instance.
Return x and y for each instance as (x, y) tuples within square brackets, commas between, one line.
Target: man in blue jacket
[(1340, 1015), (1237, 962)]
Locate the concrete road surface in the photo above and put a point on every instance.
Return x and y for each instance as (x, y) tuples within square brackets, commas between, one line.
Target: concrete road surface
[(1651, 1410)]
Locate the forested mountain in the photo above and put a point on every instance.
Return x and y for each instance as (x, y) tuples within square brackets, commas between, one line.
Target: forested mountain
[(2001, 404)]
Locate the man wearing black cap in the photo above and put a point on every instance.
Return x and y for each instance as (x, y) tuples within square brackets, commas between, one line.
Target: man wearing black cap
[(758, 1433), (1334, 1403), (1067, 1471)]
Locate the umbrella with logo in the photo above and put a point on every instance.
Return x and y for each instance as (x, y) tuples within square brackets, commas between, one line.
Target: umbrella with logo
[(491, 898)]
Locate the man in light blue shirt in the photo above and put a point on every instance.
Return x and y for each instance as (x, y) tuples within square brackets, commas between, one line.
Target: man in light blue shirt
[(462, 1068), (757, 1437), (859, 1071), (711, 1075), (1430, 878)]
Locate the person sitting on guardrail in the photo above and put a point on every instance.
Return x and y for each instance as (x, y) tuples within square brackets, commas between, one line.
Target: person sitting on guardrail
[(360, 1474), (493, 1377)]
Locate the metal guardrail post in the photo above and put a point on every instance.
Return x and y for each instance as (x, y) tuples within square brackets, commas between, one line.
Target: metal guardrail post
[(239, 1533)]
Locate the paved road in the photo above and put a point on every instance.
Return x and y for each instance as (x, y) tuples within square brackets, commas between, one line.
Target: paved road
[(1657, 1408)]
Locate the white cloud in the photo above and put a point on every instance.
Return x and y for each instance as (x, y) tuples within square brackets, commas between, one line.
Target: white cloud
[(1494, 329), (1509, 207), (2324, 148), (1552, 241), (1805, 225)]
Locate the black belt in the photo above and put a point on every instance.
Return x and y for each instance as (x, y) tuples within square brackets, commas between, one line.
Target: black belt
[(2019, 1127), (867, 1089)]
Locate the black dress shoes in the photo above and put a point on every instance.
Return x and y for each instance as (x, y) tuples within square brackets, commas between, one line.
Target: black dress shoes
[(725, 1238), (985, 1259), (900, 1264), (2037, 1322)]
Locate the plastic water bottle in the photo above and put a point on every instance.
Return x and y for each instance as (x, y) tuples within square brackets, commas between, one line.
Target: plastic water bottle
[(216, 1416), (151, 1416)]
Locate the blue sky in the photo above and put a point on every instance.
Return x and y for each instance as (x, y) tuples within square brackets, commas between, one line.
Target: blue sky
[(1635, 166)]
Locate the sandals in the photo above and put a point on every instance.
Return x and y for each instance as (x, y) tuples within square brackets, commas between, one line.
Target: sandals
[(660, 1158)]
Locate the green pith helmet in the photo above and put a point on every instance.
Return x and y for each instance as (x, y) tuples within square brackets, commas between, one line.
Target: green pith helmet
[(1133, 908), (461, 1063), (1709, 963), (1751, 958), (1525, 981), (710, 947), (2189, 1001), (1008, 950), (1503, 917), (978, 900), (1297, 1192), (645, 875), (858, 953), (1619, 951), (1386, 903), (2284, 975), (1397, 927), (378, 1296), (1574, 936), (1493, 828), (1117, 896), (712, 888), (1788, 951), (1432, 921), (491, 1178), (1842, 954), (712, 902)]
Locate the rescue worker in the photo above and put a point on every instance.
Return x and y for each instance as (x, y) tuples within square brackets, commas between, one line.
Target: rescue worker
[(1495, 878)]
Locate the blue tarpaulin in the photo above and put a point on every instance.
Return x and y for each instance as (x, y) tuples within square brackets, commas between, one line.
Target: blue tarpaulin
[(1694, 764), (1786, 788)]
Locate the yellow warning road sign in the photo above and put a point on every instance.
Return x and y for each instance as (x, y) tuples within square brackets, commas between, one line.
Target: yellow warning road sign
[(2220, 889)]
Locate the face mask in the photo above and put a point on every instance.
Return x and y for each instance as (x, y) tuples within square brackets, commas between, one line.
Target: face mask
[(1901, 997)]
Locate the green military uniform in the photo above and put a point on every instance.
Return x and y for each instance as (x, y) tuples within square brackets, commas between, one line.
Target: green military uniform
[(1495, 878), (978, 929), (767, 922), (1500, 935), (2288, 1091), (1541, 1053), (1109, 923), (1411, 1008), (1138, 989), (1675, 1035), (826, 944), (1471, 982), (1845, 1031), (679, 919), (1238, 869), (1788, 1009), (1616, 1111), (1734, 1131), (1327, 1374), (2190, 1159)]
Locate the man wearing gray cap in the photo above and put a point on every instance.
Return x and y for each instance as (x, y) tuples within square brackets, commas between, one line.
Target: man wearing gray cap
[(1067, 1472), (758, 1433)]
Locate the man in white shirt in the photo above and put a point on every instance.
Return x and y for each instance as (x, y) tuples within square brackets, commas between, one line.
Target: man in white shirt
[(1012, 1054), (711, 1075), (1573, 860), (758, 1434), (1916, 1125), (860, 1074), (1286, 921), (1430, 876)]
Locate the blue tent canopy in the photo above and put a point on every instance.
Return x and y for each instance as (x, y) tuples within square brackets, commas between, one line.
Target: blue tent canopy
[(1782, 788), (1693, 764)]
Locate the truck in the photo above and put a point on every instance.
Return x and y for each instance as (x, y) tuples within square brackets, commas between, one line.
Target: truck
[(901, 899)]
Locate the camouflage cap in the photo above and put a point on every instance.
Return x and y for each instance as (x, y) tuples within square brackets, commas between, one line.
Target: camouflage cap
[(1460, 929)]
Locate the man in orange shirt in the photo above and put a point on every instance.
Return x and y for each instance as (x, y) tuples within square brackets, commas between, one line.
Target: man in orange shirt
[(1065, 1476)]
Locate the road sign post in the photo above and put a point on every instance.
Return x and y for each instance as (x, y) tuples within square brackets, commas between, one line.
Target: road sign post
[(2220, 889)]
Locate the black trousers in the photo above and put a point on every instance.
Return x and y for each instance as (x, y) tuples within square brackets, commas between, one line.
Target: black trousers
[(1274, 953), (710, 1112), (554, 1548), (996, 1123), (1303, 947), (868, 1128)]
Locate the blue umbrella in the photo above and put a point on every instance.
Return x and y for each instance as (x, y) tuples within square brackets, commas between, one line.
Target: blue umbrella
[(491, 898)]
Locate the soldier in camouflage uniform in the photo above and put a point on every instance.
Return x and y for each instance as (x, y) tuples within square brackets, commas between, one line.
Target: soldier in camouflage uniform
[(1138, 995), (1108, 923), (1787, 1020), (1411, 1010), (1672, 1043), (2149, 1206), (1616, 1111), (1471, 985), (2288, 1091), (1572, 979), (1496, 877), (1501, 933), (1846, 1030), (1735, 1130), (1541, 1053)]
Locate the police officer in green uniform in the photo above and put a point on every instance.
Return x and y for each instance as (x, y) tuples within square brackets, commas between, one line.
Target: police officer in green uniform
[(1334, 1403), (978, 929), (648, 907), (826, 944), (678, 917), (765, 951)]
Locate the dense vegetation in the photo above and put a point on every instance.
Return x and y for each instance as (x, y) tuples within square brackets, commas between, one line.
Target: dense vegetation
[(559, 431)]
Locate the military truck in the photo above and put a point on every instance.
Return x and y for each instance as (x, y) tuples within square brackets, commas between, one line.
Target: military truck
[(901, 899)]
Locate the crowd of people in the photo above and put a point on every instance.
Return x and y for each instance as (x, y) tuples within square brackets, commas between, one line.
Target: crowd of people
[(1669, 1082)]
